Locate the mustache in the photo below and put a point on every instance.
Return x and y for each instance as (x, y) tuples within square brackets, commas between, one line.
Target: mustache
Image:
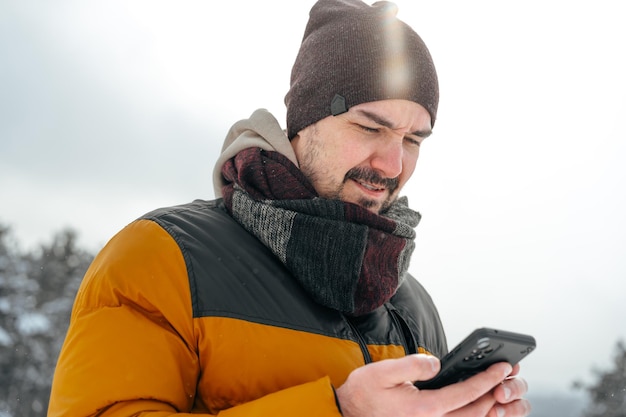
[(372, 177)]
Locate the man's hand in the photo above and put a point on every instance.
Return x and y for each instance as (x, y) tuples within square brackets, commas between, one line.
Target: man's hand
[(385, 389)]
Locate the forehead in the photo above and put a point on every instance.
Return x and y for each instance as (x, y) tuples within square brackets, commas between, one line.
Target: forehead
[(395, 114)]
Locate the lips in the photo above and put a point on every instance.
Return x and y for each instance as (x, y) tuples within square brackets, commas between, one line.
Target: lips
[(371, 187), (372, 182)]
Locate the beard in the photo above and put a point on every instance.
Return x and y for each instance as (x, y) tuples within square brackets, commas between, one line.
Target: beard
[(318, 173), (372, 177), (357, 174)]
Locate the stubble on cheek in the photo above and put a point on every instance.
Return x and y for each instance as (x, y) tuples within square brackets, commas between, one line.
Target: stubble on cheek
[(319, 173)]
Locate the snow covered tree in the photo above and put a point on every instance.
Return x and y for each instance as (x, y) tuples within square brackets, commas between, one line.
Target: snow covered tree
[(36, 295), (10, 268), (608, 394)]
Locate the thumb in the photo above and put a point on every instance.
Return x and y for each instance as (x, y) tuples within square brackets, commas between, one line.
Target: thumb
[(418, 367)]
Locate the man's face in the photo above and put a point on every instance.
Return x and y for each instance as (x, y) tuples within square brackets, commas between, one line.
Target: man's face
[(366, 155)]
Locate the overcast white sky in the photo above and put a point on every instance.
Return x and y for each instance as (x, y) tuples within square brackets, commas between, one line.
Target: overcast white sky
[(111, 109)]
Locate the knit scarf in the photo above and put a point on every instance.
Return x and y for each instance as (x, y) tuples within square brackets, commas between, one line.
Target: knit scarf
[(346, 257)]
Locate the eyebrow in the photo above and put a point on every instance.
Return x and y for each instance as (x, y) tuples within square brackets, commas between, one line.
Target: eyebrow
[(376, 118)]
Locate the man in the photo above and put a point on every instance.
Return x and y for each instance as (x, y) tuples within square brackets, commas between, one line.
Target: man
[(290, 295)]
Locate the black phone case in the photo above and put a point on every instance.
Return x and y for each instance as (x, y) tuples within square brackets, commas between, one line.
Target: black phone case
[(482, 348)]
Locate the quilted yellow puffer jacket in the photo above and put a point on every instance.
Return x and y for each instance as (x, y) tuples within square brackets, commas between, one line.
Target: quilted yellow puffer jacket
[(184, 312)]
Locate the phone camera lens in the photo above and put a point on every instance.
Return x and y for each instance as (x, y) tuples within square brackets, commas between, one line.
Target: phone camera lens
[(483, 343)]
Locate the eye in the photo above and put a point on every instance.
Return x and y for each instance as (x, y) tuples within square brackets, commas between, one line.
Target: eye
[(369, 129), (413, 141)]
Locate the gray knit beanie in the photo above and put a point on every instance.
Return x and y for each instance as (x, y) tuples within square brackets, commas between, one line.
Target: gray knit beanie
[(353, 53)]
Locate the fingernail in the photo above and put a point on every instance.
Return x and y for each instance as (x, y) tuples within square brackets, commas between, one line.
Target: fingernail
[(507, 393), (500, 411)]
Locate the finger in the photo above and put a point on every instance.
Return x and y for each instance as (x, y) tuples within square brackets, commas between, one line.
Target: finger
[(470, 390), (519, 408), (510, 390), (515, 371), (391, 372)]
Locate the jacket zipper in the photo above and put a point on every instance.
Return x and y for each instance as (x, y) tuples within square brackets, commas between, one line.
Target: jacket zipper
[(407, 339), (359, 338)]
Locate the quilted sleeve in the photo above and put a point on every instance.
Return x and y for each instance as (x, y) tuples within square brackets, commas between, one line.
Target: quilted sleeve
[(131, 348)]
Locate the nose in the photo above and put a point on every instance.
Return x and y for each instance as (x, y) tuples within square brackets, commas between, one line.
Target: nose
[(387, 158)]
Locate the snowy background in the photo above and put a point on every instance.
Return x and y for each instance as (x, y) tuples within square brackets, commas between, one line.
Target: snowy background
[(111, 109)]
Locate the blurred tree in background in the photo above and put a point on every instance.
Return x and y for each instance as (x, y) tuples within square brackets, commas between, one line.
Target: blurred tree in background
[(37, 290), (608, 395)]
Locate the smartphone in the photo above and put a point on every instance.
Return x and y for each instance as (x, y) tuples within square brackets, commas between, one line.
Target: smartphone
[(482, 348)]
